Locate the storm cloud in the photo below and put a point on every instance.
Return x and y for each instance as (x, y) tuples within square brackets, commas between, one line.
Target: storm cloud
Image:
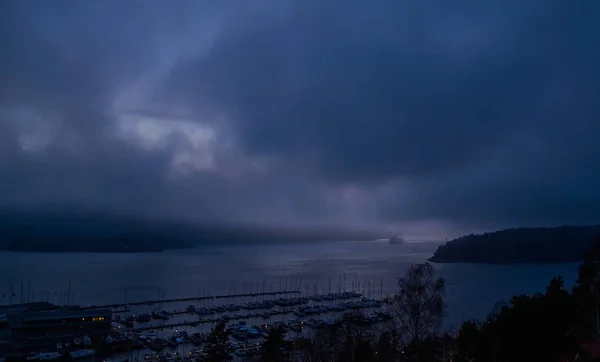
[(430, 117)]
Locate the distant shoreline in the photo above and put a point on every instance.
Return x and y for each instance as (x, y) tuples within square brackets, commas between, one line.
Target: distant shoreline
[(92, 251), (504, 262), (564, 244), (85, 251), (139, 249), (96, 232)]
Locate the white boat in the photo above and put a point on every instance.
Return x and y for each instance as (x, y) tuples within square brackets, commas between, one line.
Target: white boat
[(396, 239), (151, 334), (51, 356), (44, 356), (81, 353)]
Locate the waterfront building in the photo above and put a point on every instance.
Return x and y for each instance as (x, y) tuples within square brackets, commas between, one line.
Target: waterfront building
[(42, 328)]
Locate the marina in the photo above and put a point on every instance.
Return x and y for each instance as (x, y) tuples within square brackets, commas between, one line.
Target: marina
[(163, 307), (136, 286), (196, 299), (179, 328), (248, 323)]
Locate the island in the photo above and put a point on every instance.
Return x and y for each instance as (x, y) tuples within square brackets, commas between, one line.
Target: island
[(98, 232), (519, 245)]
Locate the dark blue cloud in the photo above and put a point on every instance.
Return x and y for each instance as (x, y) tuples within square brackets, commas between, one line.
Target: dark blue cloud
[(374, 97), (473, 113), (489, 114)]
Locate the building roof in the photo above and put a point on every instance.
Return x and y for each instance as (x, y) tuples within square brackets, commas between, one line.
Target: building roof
[(16, 308), (28, 317)]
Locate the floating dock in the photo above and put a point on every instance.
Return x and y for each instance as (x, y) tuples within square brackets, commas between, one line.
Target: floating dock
[(192, 299)]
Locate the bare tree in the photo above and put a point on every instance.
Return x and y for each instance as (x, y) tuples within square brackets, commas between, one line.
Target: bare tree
[(419, 304), (350, 342), (322, 348)]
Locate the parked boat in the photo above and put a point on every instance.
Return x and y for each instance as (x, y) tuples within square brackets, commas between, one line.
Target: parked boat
[(49, 356), (151, 334), (197, 339), (143, 318), (82, 353), (160, 315), (396, 239)]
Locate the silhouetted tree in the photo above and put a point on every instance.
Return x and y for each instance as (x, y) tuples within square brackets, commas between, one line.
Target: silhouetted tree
[(350, 342), (219, 342), (385, 350), (363, 350), (354, 343), (528, 328), (467, 340), (427, 350), (419, 304), (271, 347), (586, 292), (323, 347)]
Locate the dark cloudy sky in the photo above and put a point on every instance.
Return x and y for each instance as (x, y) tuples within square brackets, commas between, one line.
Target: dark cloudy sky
[(432, 117)]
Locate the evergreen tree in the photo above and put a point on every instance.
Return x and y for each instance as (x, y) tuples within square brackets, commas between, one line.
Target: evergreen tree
[(271, 349), (219, 343), (586, 293)]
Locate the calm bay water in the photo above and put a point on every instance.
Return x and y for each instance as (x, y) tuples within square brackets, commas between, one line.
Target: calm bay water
[(472, 289)]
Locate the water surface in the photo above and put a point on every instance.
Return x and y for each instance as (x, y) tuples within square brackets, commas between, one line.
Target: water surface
[(472, 289)]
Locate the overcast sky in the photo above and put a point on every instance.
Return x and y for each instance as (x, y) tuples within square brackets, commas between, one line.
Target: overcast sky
[(429, 117)]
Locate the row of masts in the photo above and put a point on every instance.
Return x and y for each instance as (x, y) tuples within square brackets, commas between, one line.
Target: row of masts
[(288, 287), (26, 295), (365, 287)]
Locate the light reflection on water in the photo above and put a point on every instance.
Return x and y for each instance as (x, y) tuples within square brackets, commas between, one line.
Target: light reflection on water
[(472, 289)]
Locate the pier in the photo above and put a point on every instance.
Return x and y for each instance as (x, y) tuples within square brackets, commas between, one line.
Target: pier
[(300, 306), (248, 319), (194, 299)]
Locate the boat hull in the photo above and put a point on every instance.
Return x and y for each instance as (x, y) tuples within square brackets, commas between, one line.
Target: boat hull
[(396, 240)]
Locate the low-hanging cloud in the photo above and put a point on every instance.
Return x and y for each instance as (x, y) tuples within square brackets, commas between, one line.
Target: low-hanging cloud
[(400, 114)]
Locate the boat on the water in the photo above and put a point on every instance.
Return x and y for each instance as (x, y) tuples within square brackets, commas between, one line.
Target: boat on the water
[(160, 315), (143, 318), (396, 239), (81, 353), (44, 356)]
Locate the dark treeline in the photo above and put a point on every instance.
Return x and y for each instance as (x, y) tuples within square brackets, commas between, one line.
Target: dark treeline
[(58, 232), (74, 231), (557, 325), (528, 245)]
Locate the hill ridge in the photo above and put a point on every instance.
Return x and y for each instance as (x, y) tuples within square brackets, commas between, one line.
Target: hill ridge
[(519, 245)]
